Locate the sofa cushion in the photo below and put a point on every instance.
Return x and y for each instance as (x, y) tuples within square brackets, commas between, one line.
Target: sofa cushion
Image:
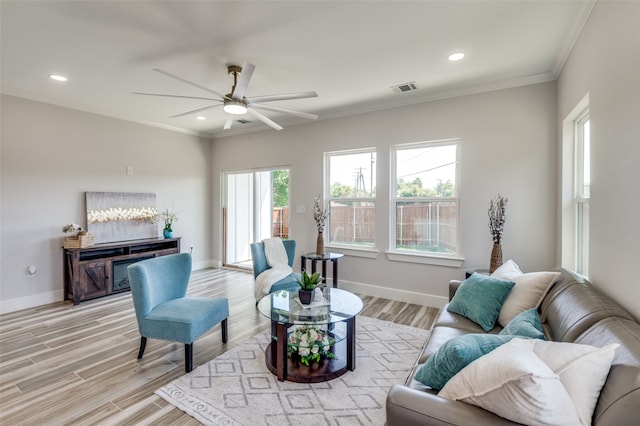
[(513, 382), (439, 336), (526, 324), (456, 354), (457, 321), (480, 298), (528, 293)]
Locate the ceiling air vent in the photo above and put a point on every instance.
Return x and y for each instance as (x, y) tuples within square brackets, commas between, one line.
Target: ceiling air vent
[(405, 87), (243, 121)]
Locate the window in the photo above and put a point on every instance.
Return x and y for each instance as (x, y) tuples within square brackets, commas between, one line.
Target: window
[(576, 188), (582, 192), (350, 186), (424, 198)]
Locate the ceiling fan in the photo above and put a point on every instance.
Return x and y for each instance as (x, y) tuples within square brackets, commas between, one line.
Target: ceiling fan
[(235, 103)]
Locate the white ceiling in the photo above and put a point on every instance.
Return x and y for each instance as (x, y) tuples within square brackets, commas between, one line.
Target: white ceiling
[(349, 52)]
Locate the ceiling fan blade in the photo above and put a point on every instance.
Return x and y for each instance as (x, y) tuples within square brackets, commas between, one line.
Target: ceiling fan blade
[(228, 123), (194, 111), (285, 110), (243, 81), (175, 77), (264, 119), (176, 96), (284, 97)]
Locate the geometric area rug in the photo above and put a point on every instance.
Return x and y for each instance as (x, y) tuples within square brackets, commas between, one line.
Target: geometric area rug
[(236, 388)]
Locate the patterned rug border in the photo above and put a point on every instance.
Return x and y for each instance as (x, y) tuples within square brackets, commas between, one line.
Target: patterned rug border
[(191, 393)]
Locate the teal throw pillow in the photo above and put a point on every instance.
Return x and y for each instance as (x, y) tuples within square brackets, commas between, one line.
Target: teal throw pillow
[(525, 324), (456, 354), (480, 298)]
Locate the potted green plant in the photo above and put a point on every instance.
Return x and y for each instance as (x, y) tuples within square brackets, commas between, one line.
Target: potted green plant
[(308, 284)]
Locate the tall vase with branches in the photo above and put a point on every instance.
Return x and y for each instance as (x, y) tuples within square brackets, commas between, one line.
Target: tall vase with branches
[(320, 215), (497, 217)]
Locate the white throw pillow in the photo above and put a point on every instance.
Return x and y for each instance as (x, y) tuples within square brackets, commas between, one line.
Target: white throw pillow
[(529, 291), (583, 369), (514, 383), (507, 271)]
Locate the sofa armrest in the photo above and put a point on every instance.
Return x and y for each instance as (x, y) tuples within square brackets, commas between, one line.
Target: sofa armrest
[(453, 287), (407, 406)]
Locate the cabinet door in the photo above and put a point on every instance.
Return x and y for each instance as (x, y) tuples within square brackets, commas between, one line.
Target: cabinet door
[(93, 279)]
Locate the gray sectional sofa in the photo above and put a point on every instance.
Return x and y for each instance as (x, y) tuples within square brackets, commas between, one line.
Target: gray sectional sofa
[(573, 310)]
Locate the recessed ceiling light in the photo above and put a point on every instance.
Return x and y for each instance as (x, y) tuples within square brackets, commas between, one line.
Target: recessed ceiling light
[(57, 77), (456, 56), (201, 118)]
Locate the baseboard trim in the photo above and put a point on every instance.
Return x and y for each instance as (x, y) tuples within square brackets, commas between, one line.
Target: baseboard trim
[(31, 301), (205, 264), (395, 294)]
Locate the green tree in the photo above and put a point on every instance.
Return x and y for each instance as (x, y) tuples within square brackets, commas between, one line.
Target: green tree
[(445, 189), (410, 189), (340, 190), (280, 184)]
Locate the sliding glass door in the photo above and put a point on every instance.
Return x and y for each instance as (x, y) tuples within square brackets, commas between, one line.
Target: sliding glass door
[(256, 206)]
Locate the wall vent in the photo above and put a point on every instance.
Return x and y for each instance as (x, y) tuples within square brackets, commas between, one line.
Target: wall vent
[(405, 87)]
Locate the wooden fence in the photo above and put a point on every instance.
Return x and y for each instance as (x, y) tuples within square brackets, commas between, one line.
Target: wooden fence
[(431, 226), (280, 222)]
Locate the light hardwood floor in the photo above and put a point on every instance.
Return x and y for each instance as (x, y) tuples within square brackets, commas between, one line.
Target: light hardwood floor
[(76, 365)]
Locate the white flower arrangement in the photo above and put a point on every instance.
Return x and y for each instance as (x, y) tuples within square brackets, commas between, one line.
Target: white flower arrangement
[(310, 343), (320, 214), (497, 217), (72, 227), (168, 218)]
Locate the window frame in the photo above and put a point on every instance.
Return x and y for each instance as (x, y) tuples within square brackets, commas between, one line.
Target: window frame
[(574, 246), (361, 250), (416, 256)]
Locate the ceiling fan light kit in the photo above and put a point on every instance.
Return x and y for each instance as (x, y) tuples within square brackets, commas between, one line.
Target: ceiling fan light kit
[(235, 103), (234, 107)]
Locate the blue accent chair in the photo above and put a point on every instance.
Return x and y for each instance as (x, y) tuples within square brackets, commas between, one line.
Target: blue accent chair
[(159, 288), (260, 264)]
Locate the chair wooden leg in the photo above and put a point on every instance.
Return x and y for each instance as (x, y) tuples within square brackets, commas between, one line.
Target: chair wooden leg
[(225, 334), (188, 357), (143, 344)]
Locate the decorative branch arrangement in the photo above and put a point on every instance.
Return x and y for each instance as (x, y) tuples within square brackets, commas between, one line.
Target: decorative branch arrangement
[(320, 214), (497, 217)]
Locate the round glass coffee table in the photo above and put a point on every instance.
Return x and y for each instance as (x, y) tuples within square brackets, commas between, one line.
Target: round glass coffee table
[(334, 316)]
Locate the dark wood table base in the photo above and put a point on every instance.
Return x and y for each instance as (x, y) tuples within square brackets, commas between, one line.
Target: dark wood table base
[(293, 370)]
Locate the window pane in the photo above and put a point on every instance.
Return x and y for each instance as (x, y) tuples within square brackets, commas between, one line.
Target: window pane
[(428, 171), (427, 226), (352, 175), (352, 222), (586, 158)]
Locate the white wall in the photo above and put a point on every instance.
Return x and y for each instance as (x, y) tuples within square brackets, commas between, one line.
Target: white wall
[(605, 64), (52, 155), (508, 145)]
